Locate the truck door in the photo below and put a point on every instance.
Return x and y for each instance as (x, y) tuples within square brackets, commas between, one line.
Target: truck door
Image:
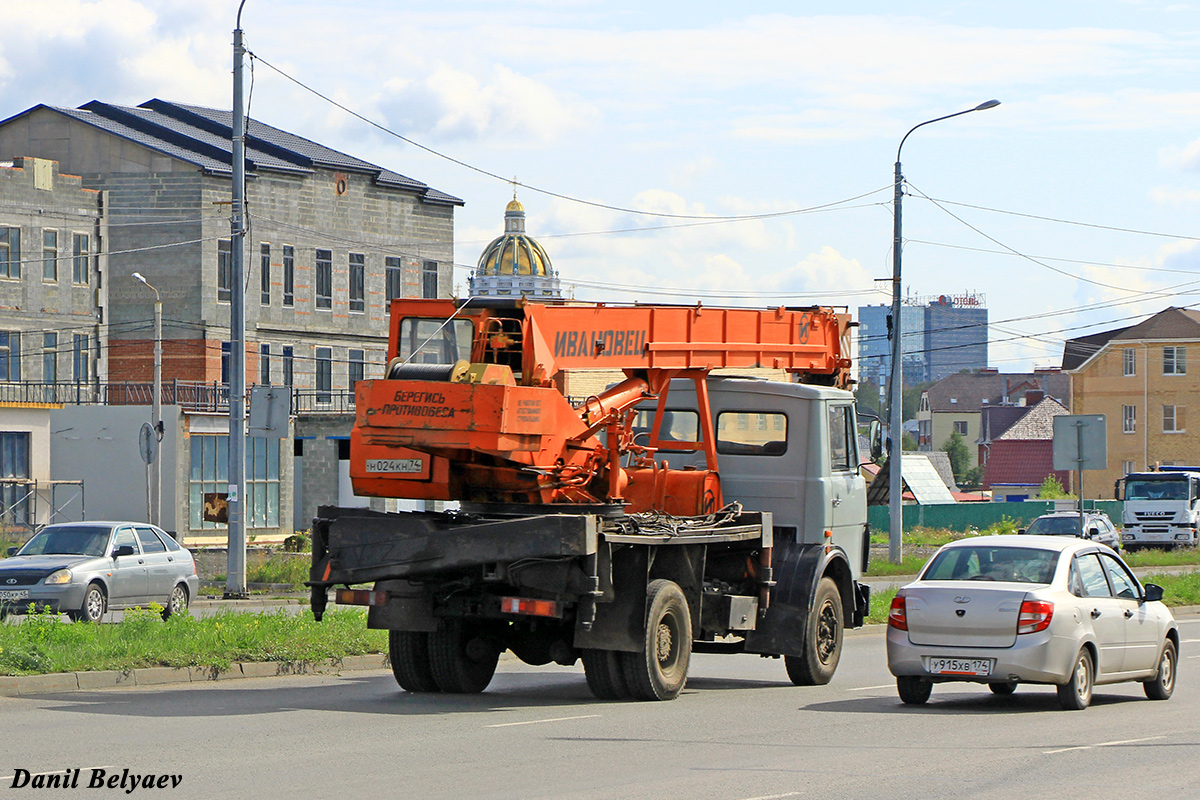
[(847, 499)]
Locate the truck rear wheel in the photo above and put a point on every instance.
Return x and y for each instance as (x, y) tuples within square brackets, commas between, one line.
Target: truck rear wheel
[(409, 653), (659, 670), (461, 658), (605, 674), (822, 640)]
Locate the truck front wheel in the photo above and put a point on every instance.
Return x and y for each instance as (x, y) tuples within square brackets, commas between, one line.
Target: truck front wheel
[(462, 658), (659, 670), (822, 640), (409, 653)]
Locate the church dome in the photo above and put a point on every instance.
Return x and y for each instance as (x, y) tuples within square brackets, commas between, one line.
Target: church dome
[(515, 264)]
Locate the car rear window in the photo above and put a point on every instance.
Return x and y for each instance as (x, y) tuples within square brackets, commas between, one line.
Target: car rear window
[(1055, 526), (992, 563)]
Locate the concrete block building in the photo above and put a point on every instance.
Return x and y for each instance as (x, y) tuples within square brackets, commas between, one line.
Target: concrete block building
[(332, 239)]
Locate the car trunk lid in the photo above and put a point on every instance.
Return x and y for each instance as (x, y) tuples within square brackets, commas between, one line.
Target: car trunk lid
[(964, 614)]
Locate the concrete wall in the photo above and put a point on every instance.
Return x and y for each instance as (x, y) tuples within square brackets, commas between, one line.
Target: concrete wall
[(36, 422)]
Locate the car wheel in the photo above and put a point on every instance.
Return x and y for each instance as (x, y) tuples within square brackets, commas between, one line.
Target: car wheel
[(177, 603), (823, 639), (658, 671), (94, 604), (913, 691), (1076, 693), (1164, 682), (1003, 689)]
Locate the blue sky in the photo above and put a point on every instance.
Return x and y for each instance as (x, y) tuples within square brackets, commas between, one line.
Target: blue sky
[(715, 110)]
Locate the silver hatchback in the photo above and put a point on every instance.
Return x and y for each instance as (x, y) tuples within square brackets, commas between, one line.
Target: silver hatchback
[(83, 569), (1005, 610)]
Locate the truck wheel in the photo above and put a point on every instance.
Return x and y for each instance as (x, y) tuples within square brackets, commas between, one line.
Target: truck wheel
[(822, 640), (605, 675), (409, 653), (659, 670), (461, 659)]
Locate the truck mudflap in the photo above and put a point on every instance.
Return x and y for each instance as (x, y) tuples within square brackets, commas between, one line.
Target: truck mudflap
[(798, 567), (353, 545)]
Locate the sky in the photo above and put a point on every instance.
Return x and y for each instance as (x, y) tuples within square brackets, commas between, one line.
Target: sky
[(728, 153)]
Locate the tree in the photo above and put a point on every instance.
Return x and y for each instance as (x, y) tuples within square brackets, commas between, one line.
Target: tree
[(1052, 489), (960, 456), (972, 478)]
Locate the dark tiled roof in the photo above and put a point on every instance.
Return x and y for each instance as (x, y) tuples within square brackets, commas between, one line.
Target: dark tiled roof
[(1037, 424), (971, 391), (997, 419), (201, 136), (1171, 323), (1021, 462)]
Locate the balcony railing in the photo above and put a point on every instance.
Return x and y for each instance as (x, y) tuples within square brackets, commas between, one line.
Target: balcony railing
[(191, 395)]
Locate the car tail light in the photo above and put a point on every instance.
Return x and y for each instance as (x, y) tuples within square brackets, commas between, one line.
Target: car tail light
[(898, 615), (1035, 616)]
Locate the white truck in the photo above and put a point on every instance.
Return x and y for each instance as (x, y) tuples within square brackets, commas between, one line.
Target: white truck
[(1162, 508)]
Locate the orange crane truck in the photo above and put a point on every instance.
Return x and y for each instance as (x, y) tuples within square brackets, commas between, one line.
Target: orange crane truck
[(677, 511)]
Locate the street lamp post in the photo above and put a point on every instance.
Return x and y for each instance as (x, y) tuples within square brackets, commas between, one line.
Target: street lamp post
[(156, 412), (895, 478)]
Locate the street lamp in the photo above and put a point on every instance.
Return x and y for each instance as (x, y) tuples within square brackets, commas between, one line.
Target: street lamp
[(895, 478), (156, 412)]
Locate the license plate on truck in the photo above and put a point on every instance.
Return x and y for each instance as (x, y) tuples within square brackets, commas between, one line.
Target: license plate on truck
[(948, 665), (401, 465), (10, 595)]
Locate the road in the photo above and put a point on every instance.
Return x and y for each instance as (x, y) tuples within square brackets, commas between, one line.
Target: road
[(739, 731)]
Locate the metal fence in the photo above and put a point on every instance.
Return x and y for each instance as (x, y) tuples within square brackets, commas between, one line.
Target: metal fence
[(191, 395)]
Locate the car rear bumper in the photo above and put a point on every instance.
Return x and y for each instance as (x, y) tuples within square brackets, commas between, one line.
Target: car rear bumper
[(1034, 658)]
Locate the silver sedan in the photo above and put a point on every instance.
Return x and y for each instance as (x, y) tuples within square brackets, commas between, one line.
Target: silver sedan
[(83, 569), (1004, 610)]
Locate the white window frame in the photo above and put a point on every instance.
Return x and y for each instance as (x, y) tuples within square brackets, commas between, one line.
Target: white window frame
[(1176, 362), (1129, 356), (1128, 419), (1170, 419)]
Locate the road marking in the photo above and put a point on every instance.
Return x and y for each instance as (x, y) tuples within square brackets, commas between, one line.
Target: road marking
[(54, 772), (1100, 744), (536, 721), (855, 689)]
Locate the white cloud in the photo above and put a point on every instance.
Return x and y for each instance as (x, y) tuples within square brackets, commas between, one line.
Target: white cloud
[(1174, 196)]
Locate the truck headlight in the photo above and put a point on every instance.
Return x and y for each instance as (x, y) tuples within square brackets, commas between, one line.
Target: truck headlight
[(60, 576), (1183, 536)]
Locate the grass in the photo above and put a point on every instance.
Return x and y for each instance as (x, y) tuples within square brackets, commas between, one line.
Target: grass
[(43, 643), (279, 568), (10, 539), (1162, 558)]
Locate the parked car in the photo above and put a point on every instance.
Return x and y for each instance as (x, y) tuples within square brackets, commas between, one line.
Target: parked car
[(83, 569), (1006, 610), (1098, 527)]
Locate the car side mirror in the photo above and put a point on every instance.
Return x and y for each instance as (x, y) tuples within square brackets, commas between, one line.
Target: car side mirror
[(1153, 594), (12, 551), (123, 550), (1020, 530)]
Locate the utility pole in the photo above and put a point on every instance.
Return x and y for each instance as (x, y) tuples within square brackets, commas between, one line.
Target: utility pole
[(155, 511), (235, 581)]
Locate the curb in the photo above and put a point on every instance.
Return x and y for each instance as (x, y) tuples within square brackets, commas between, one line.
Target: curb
[(60, 682)]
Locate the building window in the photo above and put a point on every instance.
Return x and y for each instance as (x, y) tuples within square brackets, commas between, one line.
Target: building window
[(1129, 356), (324, 374), (395, 280), (14, 464), (1127, 467), (960, 428), (1128, 419), (264, 363), (224, 271), (288, 365), (210, 475), (358, 272), (10, 356), (49, 357), (79, 259), (226, 350), (357, 368), (1173, 419), (79, 358), (289, 275), (264, 280), (1174, 360), (429, 279), (10, 252), (49, 255), (324, 279)]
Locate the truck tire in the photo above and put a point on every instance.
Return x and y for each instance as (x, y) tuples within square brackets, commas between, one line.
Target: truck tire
[(659, 670), (461, 659), (822, 640), (409, 653), (605, 674)]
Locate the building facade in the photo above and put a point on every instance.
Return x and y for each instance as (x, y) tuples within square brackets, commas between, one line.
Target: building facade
[(940, 336), (1138, 377)]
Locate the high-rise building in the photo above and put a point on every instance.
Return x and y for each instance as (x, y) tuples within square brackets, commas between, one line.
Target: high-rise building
[(942, 335)]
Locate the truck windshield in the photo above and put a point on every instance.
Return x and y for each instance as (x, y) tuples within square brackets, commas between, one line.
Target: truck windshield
[(1156, 490), (433, 343)]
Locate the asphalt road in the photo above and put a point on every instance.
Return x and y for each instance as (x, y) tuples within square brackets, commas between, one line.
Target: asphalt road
[(739, 731)]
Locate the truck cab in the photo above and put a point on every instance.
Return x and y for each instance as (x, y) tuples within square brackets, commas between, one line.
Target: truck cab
[(1162, 508)]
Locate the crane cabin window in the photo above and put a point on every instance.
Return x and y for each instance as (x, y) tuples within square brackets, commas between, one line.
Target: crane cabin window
[(435, 341), (751, 433)]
